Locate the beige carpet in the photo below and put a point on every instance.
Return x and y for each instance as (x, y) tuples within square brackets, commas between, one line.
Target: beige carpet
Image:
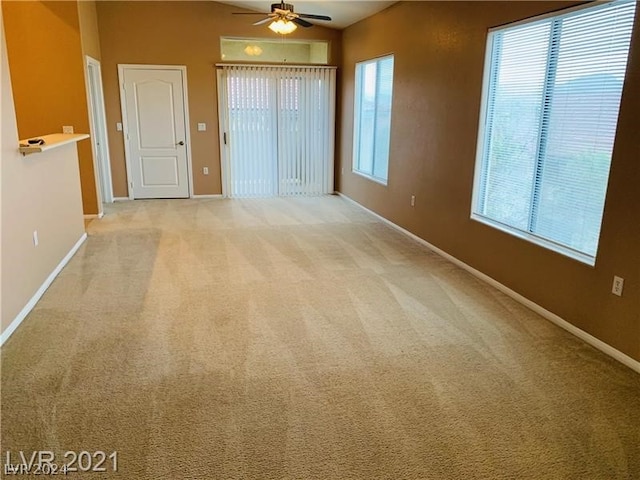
[(302, 339)]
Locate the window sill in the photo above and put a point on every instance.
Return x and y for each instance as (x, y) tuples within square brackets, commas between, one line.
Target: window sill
[(371, 177), (542, 242)]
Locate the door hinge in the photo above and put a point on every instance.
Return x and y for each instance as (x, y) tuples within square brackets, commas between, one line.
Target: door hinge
[(225, 137), (131, 184)]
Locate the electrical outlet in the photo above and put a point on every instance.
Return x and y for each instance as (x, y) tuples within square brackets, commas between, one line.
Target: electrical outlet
[(618, 285), (413, 200), (202, 127), (119, 126), (205, 170), (35, 238), (67, 129)]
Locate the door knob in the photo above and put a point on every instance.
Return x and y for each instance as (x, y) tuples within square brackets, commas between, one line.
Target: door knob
[(180, 143)]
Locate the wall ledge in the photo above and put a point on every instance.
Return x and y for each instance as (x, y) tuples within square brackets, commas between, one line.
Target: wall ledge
[(552, 317), (43, 288), (53, 140)]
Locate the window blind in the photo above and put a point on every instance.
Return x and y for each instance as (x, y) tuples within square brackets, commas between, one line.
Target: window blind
[(552, 97), (279, 124)]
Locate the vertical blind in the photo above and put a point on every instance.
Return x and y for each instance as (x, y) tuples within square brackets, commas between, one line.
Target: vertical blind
[(279, 129), (551, 110), (372, 132)]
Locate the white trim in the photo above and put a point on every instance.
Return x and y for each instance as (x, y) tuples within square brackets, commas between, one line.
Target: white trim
[(125, 130), (187, 127), (223, 122), (213, 195), (552, 317), (121, 199), (331, 177), (43, 288), (275, 65), (103, 172), (92, 216), (125, 127), (93, 129)]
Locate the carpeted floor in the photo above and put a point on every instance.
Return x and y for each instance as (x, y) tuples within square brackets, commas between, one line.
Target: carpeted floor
[(302, 339)]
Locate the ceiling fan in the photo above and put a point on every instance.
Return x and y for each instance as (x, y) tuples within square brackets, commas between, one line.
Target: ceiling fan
[(283, 19)]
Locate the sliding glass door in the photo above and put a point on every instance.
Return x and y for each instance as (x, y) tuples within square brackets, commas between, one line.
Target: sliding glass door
[(276, 129)]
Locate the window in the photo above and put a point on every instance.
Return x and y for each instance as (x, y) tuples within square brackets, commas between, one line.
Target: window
[(372, 125), (550, 108), (257, 50)]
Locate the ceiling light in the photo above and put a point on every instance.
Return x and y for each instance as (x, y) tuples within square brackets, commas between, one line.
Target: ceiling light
[(252, 50), (282, 26)]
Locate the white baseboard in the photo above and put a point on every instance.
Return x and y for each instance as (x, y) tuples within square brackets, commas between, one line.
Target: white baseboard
[(214, 195), (93, 215), (121, 199), (43, 288), (552, 317)]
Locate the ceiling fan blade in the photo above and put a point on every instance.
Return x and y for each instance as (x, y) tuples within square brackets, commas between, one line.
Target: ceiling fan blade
[(302, 23), (314, 17), (263, 21)]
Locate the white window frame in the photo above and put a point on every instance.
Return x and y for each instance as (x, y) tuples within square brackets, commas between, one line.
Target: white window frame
[(356, 124), (481, 143)]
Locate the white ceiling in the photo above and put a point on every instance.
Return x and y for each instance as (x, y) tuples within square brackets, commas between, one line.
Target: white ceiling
[(343, 13)]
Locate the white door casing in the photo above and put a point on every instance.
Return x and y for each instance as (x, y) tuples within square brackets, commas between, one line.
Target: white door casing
[(98, 124), (223, 128), (154, 114)]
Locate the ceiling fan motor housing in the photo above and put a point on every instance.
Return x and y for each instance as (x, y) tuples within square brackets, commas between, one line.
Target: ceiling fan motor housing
[(281, 6)]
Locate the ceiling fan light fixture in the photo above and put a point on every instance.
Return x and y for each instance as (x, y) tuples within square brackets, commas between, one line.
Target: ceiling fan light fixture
[(282, 26)]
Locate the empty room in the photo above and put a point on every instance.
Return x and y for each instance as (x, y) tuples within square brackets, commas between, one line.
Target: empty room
[(320, 240)]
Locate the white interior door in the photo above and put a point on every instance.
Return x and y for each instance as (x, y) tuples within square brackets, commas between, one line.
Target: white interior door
[(154, 114), (99, 137)]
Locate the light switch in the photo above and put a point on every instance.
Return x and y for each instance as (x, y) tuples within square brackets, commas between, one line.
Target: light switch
[(119, 126), (67, 129), (202, 127)]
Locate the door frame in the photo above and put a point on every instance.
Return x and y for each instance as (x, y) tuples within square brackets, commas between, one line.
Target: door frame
[(99, 130), (223, 128), (122, 67)]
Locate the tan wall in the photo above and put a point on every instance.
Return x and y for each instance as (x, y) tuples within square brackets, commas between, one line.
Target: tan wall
[(178, 33), (88, 21), (437, 93), (45, 55), (39, 192)]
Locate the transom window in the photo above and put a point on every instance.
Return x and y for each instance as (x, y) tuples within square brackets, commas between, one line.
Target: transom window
[(372, 122), (550, 109), (262, 50)]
